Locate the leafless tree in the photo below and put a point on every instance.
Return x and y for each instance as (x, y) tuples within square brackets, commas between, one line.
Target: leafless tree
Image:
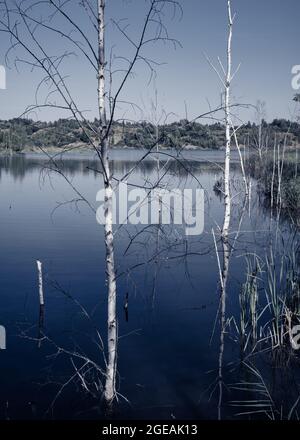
[(22, 22), (226, 248), (260, 141)]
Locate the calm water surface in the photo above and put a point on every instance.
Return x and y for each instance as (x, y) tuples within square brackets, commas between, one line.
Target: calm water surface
[(167, 359)]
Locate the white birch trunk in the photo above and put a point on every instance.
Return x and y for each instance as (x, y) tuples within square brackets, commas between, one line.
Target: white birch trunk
[(227, 200), (227, 213), (110, 382)]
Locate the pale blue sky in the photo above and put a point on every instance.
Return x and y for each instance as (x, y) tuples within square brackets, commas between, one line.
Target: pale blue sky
[(265, 42)]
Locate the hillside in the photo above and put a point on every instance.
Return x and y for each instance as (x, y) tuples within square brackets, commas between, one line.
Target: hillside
[(24, 134)]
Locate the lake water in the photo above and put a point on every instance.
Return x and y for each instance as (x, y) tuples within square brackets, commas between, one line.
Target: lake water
[(168, 350)]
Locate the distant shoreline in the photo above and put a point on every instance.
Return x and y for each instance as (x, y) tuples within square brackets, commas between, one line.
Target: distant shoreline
[(23, 135), (83, 148), (87, 149)]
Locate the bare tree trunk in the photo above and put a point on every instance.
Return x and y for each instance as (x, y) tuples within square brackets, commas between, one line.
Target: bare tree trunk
[(227, 213), (261, 142), (273, 176), (227, 200), (20, 22), (260, 139), (241, 161), (110, 382)]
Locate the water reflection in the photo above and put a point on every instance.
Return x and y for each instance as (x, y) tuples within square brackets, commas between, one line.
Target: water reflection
[(167, 284), (19, 165)]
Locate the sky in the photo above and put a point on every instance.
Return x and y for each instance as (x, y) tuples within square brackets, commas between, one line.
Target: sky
[(266, 39)]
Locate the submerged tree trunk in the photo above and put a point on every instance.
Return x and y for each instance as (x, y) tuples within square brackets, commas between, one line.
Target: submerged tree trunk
[(110, 381), (227, 214)]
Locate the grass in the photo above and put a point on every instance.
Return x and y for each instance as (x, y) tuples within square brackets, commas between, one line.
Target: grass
[(278, 177), (269, 301)]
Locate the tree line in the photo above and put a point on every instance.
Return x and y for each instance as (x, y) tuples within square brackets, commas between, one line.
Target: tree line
[(18, 134)]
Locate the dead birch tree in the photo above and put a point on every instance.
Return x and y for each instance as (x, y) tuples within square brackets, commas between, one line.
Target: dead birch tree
[(110, 382), (23, 25), (226, 76), (227, 199), (223, 266), (226, 246), (227, 211)]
